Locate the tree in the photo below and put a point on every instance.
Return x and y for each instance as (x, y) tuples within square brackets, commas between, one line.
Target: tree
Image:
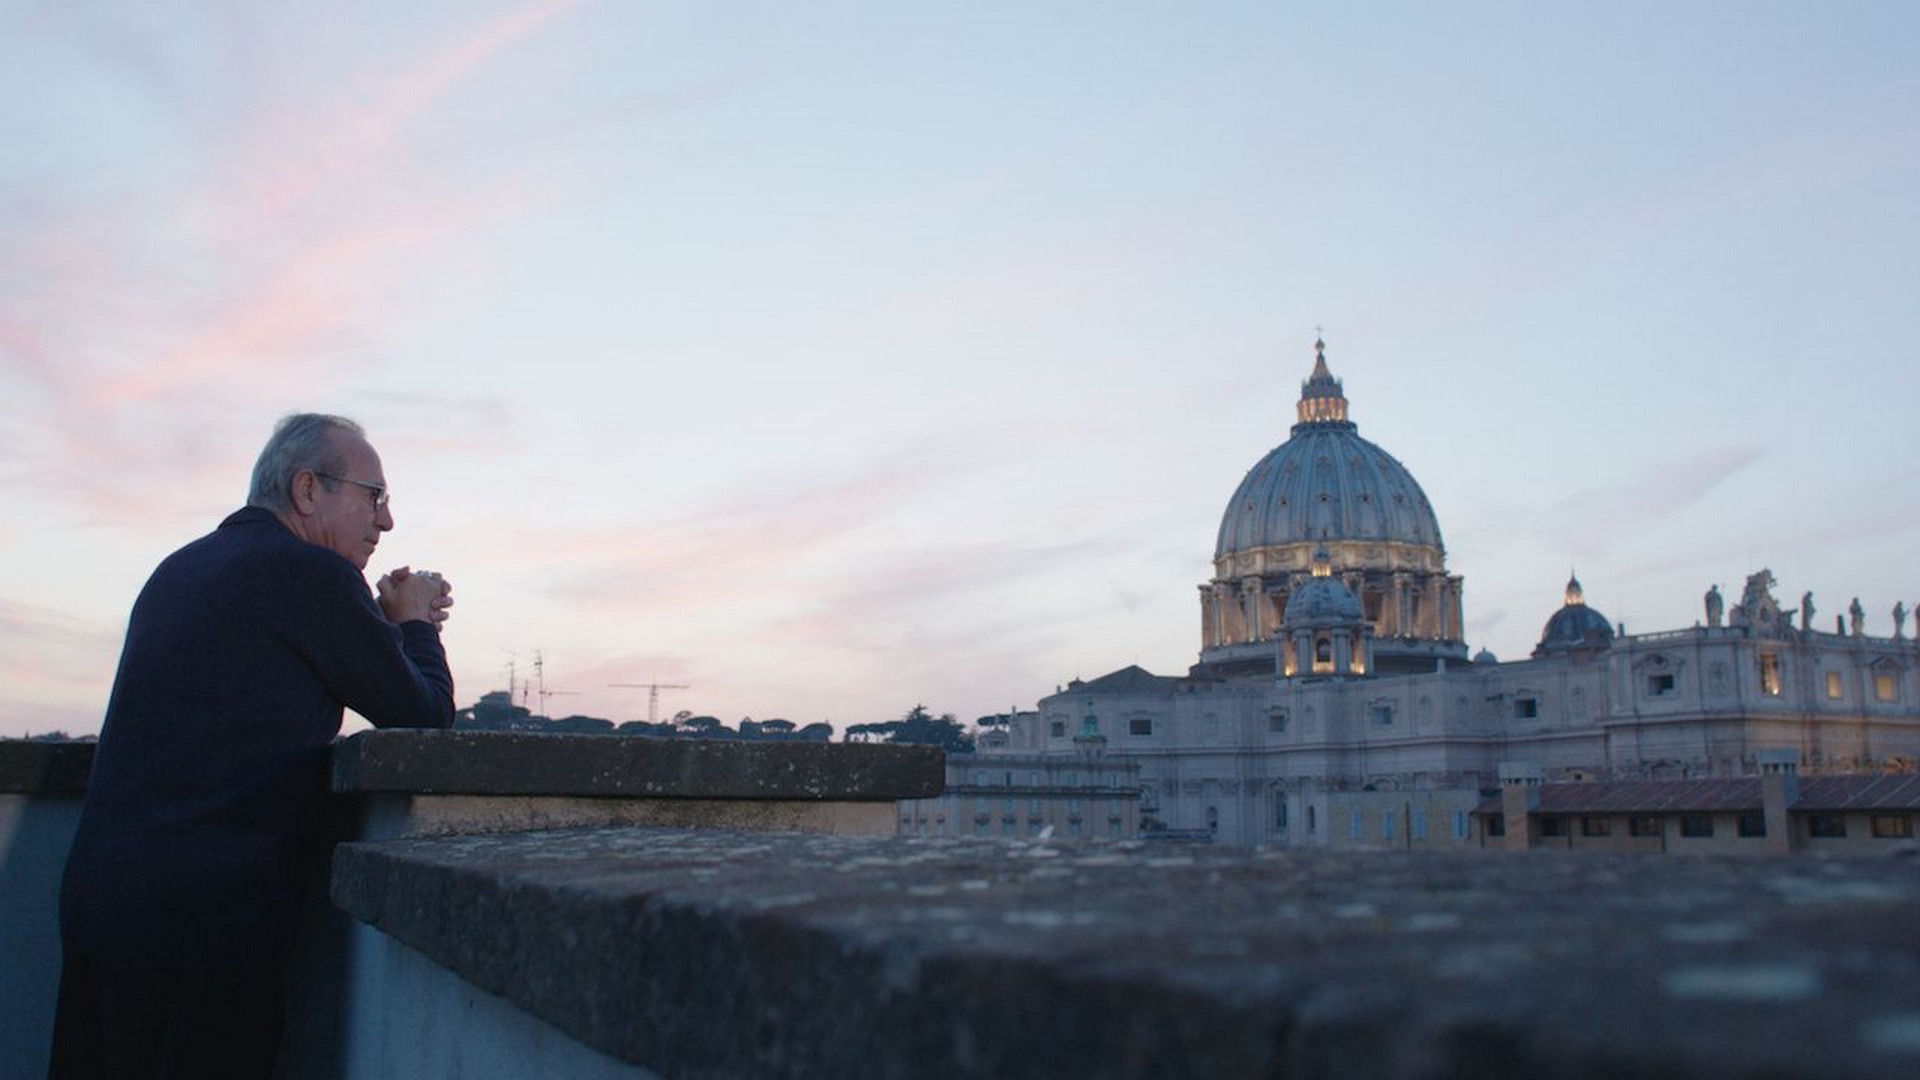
[(920, 727), (494, 712), (770, 730)]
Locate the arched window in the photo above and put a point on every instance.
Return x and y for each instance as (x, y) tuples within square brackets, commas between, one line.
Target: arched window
[(1213, 818)]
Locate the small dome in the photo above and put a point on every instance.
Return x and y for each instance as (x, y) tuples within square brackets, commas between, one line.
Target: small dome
[(1485, 656), (1575, 626), (1324, 598)]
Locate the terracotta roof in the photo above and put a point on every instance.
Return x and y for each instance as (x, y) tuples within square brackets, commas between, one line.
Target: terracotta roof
[(1732, 795), (1894, 791)]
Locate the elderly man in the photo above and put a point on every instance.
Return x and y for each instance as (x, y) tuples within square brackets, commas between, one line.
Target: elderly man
[(206, 811)]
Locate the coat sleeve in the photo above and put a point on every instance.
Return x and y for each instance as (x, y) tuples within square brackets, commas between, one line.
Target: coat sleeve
[(395, 676)]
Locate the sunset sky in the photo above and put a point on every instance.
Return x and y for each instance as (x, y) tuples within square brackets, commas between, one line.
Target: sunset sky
[(833, 357)]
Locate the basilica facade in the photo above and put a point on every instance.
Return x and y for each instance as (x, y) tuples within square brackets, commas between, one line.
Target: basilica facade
[(1334, 702)]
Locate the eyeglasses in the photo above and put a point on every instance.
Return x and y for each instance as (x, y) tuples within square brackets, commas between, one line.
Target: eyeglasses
[(380, 494)]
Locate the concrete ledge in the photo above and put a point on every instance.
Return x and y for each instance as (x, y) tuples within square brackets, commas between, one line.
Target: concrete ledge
[(699, 954), (606, 766), (44, 768)]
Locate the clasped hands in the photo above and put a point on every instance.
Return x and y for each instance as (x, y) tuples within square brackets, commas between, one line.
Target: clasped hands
[(407, 594)]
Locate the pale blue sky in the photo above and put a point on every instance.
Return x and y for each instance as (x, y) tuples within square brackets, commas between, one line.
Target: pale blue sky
[(835, 357)]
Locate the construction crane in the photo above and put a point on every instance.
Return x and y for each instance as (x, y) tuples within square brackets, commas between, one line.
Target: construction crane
[(653, 695)]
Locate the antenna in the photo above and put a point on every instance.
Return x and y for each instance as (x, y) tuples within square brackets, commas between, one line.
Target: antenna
[(653, 695), (512, 671), (540, 680)]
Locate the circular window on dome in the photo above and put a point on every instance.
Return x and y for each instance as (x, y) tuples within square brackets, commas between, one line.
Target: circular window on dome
[(1324, 497)]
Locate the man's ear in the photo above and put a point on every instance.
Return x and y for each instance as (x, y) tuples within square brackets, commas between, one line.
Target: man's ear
[(304, 491)]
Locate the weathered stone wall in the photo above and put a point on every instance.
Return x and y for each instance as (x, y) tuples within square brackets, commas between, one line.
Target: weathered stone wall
[(721, 955), (431, 783)]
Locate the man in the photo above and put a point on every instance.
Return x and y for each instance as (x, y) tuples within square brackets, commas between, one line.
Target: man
[(205, 812)]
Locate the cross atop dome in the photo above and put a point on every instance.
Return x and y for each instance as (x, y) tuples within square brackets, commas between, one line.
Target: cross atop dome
[(1322, 400)]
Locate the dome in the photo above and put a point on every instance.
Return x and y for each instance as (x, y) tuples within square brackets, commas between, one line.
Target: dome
[(1574, 626), (1326, 483), (1327, 490)]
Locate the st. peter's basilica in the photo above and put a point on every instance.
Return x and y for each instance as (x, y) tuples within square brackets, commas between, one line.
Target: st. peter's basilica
[(1334, 701)]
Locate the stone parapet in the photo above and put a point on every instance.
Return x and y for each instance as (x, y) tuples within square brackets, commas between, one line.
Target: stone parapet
[(44, 769), (702, 954), (607, 766), (437, 783)]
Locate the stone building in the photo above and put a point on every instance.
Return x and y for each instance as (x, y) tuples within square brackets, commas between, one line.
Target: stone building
[(1334, 702)]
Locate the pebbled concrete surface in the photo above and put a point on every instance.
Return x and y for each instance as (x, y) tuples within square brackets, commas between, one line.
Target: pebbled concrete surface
[(703, 954)]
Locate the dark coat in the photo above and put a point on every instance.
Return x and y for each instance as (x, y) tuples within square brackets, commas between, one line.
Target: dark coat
[(206, 809)]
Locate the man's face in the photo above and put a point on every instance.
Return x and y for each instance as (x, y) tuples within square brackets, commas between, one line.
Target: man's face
[(346, 518)]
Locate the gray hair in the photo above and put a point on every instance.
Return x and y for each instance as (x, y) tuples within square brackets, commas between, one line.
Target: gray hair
[(300, 441)]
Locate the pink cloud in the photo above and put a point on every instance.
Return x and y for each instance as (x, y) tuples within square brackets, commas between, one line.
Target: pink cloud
[(153, 330)]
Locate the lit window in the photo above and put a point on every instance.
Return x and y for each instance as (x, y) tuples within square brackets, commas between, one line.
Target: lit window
[(1886, 687), (1893, 826), (1827, 826), (1770, 674), (1835, 690), (1697, 826)]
